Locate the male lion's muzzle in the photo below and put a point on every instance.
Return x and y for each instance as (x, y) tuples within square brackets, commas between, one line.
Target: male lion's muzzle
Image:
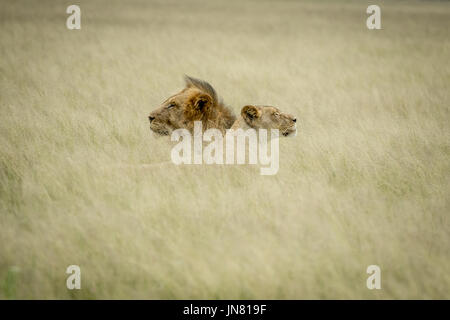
[(158, 127)]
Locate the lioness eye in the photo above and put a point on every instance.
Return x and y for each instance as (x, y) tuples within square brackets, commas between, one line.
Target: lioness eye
[(276, 114)]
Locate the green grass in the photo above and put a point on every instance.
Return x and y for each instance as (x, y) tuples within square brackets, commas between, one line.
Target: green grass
[(365, 182)]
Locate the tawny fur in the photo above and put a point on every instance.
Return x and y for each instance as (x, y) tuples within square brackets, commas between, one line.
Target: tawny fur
[(266, 117), (198, 101)]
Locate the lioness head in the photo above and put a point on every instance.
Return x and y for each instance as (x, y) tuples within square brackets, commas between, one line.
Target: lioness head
[(198, 101), (267, 117)]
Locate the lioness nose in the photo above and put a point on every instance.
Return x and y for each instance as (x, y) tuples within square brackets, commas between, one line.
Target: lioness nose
[(295, 119), (151, 118)]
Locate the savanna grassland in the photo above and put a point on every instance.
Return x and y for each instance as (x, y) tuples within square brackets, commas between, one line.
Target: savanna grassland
[(84, 182)]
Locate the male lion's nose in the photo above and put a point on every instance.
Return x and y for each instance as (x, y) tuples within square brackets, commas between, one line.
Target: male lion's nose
[(295, 119), (151, 118)]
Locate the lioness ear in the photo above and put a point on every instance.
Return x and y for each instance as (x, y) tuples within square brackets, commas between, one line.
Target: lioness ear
[(250, 113)]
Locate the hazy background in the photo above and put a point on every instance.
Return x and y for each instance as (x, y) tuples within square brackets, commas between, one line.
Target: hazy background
[(365, 182)]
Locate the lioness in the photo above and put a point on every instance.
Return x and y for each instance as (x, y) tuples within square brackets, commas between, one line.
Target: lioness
[(198, 101), (266, 117)]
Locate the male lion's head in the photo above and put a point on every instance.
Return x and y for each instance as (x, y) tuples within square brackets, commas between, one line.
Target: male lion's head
[(198, 101), (267, 117)]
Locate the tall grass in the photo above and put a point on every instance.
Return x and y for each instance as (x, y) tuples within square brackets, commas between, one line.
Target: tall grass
[(365, 182)]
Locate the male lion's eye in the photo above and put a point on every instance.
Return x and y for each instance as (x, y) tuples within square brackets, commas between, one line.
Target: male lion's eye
[(171, 105)]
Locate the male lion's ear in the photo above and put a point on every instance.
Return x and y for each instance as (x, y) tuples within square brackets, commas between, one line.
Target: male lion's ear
[(202, 102), (250, 113), (198, 107), (202, 85)]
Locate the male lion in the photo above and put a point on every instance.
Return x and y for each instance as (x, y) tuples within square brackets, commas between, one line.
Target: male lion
[(198, 101), (266, 117)]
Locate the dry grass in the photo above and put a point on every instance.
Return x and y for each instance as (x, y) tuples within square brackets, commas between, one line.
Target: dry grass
[(366, 181)]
